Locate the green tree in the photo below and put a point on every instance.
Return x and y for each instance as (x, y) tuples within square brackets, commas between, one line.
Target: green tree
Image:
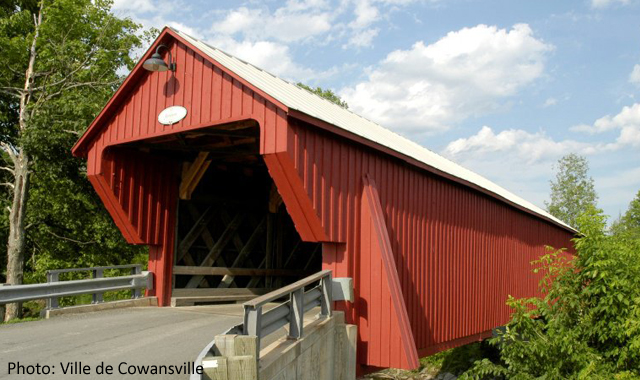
[(572, 191), (587, 324), (629, 223), (327, 94), (61, 62)]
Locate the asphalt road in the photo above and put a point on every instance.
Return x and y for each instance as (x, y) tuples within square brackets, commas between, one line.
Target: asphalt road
[(137, 336)]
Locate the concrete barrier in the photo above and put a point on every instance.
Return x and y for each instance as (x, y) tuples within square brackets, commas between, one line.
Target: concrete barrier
[(327, 351)]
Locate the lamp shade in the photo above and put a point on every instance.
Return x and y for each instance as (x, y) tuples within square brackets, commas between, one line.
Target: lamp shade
[(155, 63)]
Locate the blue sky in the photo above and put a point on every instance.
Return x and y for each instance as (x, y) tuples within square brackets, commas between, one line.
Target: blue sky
[(504, 88)]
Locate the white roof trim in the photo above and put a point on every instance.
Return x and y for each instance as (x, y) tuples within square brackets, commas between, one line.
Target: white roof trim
[(306, 102)]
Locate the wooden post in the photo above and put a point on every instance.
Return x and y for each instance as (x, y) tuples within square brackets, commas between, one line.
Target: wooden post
[(242, 368), (214, 368)]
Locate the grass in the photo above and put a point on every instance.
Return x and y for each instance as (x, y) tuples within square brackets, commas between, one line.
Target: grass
[(21, 320), (455, 361)]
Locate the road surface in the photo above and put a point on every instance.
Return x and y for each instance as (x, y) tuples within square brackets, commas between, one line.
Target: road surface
[(140, 337)]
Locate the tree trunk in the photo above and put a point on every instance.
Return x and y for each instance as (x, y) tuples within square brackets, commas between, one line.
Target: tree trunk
[(16, 241)]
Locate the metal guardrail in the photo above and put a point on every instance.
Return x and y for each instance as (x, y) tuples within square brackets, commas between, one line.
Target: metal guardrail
[(54, 288), (290, 312)]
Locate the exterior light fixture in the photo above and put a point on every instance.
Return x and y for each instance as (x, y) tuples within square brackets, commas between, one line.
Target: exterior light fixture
[(156, 63)]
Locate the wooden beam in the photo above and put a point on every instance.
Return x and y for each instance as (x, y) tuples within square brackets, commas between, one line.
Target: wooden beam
[(224, 271), (227, 142), (311, 257), (220, 292), (208, 240), (216, 250), (200, 224), (192, 174), (189, 297), (239, 245), (237, 125), (190, 262), (255, 280), (292, 253), (243, 255), (206, 234), (275, 200), (220, 132)]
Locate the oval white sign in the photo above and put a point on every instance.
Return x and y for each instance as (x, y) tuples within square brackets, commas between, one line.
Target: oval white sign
[(172, 115)]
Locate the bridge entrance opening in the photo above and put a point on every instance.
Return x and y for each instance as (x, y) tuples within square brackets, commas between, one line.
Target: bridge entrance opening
[(234, 239)]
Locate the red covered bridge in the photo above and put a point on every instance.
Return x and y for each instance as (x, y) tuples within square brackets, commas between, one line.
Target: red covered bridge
[(262, 182)]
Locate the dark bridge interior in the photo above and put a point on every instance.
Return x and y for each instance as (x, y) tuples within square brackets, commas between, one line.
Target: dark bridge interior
[(235, 239)]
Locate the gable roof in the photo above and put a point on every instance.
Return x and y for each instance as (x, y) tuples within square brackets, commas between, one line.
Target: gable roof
[(294, 98)]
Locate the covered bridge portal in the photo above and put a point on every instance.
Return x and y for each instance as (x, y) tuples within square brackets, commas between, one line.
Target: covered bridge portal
[(262, 182)]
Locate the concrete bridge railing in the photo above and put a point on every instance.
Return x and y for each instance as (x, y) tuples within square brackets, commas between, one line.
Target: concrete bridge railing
[(321, 347)]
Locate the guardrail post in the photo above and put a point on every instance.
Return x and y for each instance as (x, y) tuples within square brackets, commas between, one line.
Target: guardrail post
[(52, 302), (97, 273), (325, 300), (253, 323), (136, 293), (296, 314)]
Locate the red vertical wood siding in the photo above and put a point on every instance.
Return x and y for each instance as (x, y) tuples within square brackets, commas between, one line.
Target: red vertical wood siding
[(140, 191), (394, 346), (459, 253), (210, 95), (211, 98)]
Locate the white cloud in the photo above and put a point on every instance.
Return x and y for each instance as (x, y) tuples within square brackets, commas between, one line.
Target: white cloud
[(634, 77), (308, 21), (607, 3), (291, 23), (550, 102), (530, 147), (184, 28), (138, 6), (270, 56), (365, 13), (466, 73), (526, 146), (519, 160), (275, 58), (626, 122), (363, 38), (522, 162)]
